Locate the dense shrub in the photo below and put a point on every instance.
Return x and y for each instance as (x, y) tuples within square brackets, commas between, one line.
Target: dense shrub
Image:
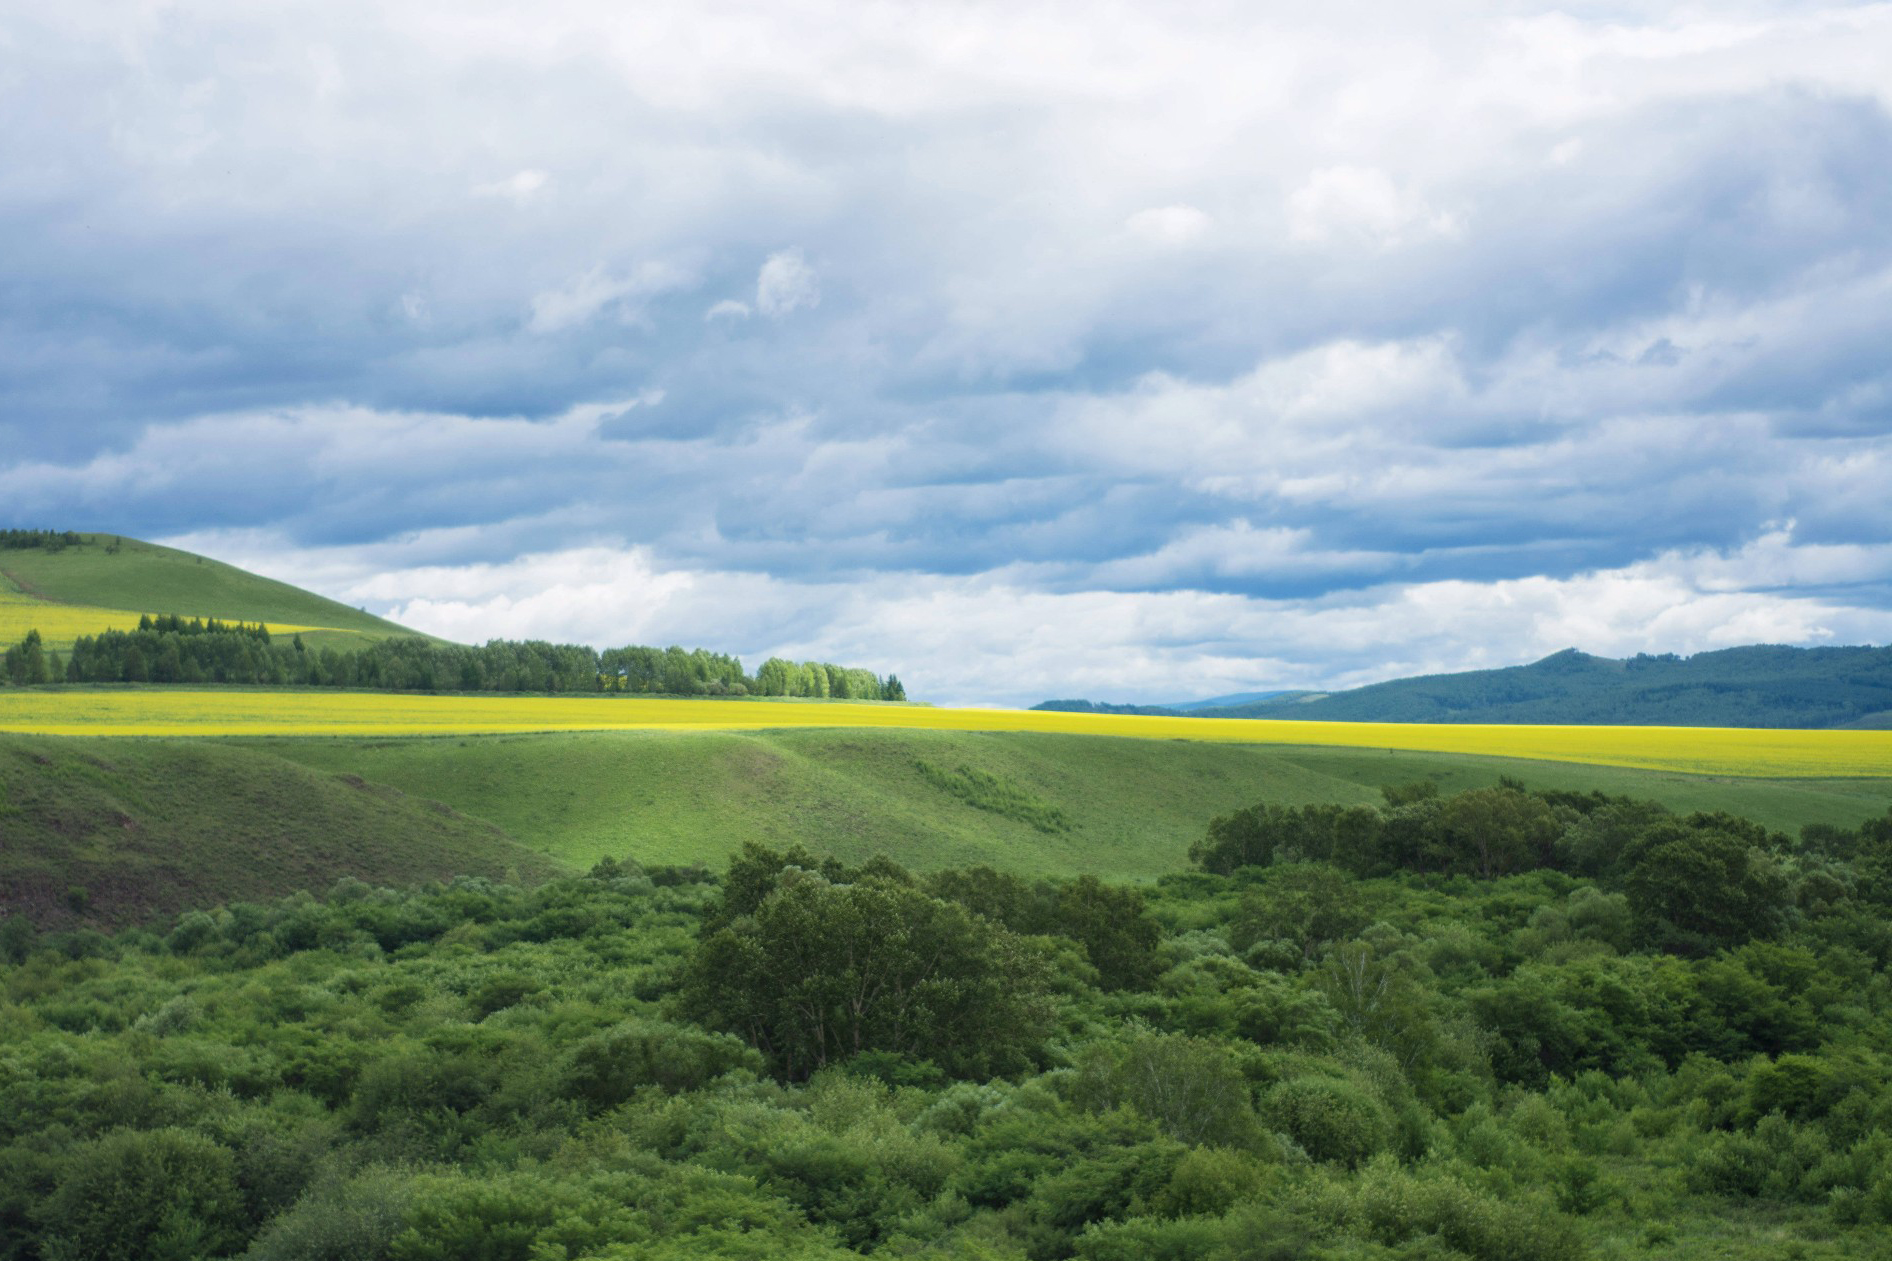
[(809, 1060)]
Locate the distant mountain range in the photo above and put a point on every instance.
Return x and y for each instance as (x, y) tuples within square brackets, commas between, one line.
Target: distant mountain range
[(1173, 709), (1759, 686)]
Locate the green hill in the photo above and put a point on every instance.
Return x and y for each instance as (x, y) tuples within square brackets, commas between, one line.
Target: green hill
[(111, 572), (148, 827), (1128, 808), (118, 831), (1758, 686)]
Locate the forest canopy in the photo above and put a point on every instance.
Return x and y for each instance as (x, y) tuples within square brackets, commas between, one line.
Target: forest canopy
[(1436, 1030)]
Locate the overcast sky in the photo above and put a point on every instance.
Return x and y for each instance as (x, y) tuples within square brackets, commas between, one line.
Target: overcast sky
[(1137, 352)]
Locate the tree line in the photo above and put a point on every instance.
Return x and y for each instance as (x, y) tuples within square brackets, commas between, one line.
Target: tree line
[(170, 649), (47, 540)]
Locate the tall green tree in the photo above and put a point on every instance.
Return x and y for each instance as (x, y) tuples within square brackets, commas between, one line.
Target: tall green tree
[(1698, 884), (821, 972)]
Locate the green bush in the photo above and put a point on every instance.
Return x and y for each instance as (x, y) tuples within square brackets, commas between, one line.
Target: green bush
[(144, 1195), (1209, 1181), (1329, 1118), (607, 1068), (353, 1220)]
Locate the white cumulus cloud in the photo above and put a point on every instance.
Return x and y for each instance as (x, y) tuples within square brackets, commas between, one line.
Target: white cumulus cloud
[(1168, 225), (786, 284)]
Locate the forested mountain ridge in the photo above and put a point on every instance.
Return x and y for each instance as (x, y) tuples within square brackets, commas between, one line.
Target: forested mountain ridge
[(1763, 685)]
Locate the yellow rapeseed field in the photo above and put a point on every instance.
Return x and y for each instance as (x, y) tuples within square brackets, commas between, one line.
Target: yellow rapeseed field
[(59, 624), (193, 712)]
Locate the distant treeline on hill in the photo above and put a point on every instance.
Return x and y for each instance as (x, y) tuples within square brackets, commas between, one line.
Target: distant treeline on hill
[(178, 650), (1105, 707), (50, 540)]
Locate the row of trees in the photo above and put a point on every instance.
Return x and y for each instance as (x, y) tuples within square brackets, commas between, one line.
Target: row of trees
[(49, 540), (176, 650)]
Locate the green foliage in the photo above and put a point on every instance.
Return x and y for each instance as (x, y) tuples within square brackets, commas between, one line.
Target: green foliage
[(25, 664), (172, 649), (662, 1063), (343, 1220), (1114, 927), (814, 970), (1700, 883), (47, 540), (144, 1195), (1266, 833), (611, 1066), (1497, 831), (1329, 1118), (1192, 1088), (1306, 906)]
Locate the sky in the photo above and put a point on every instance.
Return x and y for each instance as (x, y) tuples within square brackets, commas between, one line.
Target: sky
[(1127, 351)]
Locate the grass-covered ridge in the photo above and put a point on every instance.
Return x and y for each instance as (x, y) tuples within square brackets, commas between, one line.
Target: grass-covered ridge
[(91, 584), (218, 820), (120, 831), (1131, 807)]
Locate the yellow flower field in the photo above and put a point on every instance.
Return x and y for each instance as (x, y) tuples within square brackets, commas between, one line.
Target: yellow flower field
[(194, 712), (59, 624)]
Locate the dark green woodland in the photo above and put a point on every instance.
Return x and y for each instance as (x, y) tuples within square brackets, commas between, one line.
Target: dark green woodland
[(1498, 1024)]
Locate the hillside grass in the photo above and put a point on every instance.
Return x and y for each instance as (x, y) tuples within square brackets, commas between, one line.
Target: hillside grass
[(1125, 808), (147, 827), (153, 579), (184, 711), (59, 624), (119, 831)]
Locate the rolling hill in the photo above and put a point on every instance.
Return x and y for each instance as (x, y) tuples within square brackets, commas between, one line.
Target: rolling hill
[(106, 582), (147, 827), (120, 831), (1762, 685), (1116, 808)]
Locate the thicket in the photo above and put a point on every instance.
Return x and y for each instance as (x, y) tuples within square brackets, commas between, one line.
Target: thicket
[(171, 649), (1333, 1039)]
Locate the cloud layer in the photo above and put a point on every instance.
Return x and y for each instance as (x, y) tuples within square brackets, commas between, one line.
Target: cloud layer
[(1025, 349)]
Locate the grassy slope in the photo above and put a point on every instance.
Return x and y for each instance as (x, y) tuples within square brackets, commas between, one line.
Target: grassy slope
[(149, 827), (1134, 805), (147, 577)]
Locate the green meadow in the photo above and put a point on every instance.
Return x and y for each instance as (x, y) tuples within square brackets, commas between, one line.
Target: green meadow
[(1133, 806)]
